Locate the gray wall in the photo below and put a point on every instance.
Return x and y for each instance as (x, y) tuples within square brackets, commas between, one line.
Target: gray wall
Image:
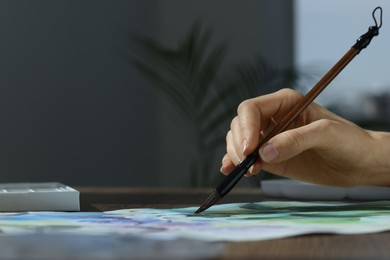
[(250, 27), (74, 110)]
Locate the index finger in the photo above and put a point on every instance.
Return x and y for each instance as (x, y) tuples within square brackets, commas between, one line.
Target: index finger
[(256, 114)]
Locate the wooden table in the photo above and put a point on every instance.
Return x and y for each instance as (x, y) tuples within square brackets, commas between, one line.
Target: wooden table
[(369, 246)]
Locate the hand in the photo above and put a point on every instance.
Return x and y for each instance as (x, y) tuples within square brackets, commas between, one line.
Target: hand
[(319, 146)]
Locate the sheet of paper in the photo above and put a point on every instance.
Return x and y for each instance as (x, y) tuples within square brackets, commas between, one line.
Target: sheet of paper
[(226, 222), (103, 247)]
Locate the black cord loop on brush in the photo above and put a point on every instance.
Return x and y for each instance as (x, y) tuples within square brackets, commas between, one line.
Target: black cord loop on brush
[(380, 16), (373, 31)]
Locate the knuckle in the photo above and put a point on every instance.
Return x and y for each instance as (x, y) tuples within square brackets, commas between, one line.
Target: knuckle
[(326, 125), (233, 122), (288, 91), (228, 137), (295, 138), (244, 105)]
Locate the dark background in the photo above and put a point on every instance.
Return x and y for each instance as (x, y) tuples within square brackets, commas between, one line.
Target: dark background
[(73, 109)]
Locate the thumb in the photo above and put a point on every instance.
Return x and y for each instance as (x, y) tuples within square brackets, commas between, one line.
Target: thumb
[(291, 143)]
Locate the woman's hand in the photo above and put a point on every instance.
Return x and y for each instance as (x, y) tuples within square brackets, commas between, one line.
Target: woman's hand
[(318, 147)]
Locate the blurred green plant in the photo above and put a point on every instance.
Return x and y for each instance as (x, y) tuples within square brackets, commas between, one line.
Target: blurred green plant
[(191, 78)]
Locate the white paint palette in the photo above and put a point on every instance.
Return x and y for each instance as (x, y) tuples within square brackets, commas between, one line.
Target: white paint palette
[(46, 196), (298, 190)]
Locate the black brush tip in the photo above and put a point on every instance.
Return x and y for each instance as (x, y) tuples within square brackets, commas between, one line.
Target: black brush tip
[(210, 201)]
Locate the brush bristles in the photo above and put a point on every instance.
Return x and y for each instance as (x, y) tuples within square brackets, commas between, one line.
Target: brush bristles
[(210, 201)]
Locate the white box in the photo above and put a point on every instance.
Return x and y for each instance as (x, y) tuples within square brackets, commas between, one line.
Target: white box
[(46, 196)]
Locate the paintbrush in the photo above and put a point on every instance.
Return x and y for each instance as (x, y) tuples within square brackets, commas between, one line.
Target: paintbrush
[(232, 179)]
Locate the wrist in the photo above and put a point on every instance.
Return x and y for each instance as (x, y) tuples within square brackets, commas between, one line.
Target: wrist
[(379, 165)]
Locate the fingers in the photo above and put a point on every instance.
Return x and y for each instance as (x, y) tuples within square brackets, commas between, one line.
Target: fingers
[(233, 149), (248, 126), (234, 155), (228, 166), (255, 115)]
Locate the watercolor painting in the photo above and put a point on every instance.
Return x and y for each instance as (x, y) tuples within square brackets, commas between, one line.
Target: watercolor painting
[(225, 222)]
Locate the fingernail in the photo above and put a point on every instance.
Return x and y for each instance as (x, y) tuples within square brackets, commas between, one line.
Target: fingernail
[(244, 144), (224, 163), (269, 153)]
